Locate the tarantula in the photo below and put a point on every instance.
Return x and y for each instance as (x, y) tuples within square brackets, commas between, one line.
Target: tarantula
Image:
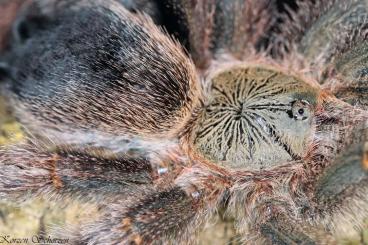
[(163, 112)]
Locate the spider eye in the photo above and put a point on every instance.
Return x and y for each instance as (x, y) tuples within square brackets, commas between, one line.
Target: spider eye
[(256, 117), (300, 110)]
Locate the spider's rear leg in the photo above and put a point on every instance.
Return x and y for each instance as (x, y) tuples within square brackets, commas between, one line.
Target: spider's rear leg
[(167, 213), (29, 169), (151, 217)]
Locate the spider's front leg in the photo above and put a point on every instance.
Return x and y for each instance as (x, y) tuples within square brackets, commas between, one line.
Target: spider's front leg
[(268, 208), (284, 204), (169, 212), (264, 209), (334, 190), (341, 190)]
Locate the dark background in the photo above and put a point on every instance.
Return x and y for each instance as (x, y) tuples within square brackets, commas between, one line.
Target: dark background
[(171, 18)]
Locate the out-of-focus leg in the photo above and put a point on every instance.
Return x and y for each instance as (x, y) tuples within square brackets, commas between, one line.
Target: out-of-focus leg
[(31, 170), (164, 214)]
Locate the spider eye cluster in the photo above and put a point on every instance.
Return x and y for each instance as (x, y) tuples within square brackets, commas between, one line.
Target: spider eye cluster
[(301, 110), (255, 118)]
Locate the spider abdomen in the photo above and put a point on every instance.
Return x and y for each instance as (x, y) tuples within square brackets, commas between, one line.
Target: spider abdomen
[(100, 65)]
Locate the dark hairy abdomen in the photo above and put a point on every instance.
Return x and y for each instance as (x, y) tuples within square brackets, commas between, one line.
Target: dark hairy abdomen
[(97, 69)]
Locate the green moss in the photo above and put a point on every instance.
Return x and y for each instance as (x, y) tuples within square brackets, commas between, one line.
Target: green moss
[(10, 130), (39, 216)]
